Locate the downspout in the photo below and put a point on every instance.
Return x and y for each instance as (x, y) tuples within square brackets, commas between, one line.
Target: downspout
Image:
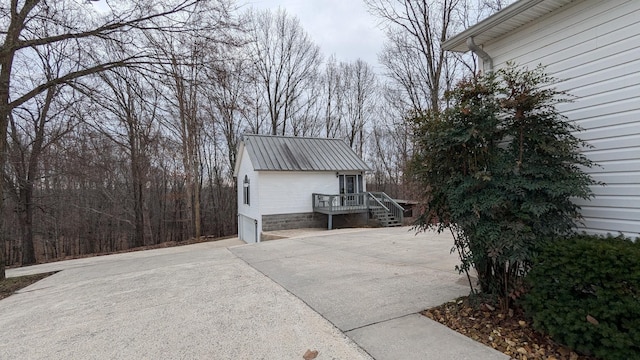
[(481, 53)]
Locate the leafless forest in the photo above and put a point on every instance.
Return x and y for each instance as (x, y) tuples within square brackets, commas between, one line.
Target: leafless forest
[(119, 120)]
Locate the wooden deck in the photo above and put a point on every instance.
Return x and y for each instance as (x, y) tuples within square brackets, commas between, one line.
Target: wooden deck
[(371, 203), (340, 204)]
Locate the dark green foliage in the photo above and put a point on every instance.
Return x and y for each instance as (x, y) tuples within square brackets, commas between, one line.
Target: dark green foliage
[(587, 276), (499, 168)]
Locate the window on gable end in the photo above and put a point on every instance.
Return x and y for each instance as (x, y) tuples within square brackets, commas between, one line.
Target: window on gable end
[(245, 191)]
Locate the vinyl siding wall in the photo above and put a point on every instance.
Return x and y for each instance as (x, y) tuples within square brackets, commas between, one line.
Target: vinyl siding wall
[(289, 192), (593, 47)]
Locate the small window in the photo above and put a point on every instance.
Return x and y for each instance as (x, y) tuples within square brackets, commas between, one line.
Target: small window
[(245, 190)]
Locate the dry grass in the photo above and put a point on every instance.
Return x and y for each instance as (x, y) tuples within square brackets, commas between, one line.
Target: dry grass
[(9, 286)]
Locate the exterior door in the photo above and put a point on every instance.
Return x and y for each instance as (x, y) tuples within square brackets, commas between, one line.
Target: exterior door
[(350, 188), (350, 185)]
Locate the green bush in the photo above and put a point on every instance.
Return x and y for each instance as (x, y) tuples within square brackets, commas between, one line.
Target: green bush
[(500, 168), (585, 293)]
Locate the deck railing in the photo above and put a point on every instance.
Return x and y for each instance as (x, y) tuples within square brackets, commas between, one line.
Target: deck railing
[(355, 203), (340, 203)]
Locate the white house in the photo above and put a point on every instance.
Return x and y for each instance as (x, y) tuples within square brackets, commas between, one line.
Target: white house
[(277, 178), (593, 47)]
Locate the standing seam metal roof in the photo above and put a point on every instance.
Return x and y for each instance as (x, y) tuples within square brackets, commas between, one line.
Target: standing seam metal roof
[(285, 153)]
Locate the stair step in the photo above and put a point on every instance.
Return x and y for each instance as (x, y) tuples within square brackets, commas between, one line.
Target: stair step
[(386, 219)]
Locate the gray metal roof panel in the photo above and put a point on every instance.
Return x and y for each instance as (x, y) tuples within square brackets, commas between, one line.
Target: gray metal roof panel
[(284, 153)]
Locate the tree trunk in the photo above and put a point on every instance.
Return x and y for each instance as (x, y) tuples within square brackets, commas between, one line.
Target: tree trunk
[(197, 223), (138, 207), (5, 76), (6, 63), (28, 249), (137, 184)]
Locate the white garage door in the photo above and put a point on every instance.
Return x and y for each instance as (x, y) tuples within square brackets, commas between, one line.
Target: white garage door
[(247, 229)]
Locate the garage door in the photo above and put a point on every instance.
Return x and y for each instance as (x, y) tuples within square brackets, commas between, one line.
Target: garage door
[(247, 229)]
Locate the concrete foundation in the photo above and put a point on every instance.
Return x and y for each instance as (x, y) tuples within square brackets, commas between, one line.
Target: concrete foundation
[(310, 220), (293, 221)]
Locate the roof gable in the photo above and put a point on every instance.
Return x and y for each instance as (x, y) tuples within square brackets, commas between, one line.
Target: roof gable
[(285, 153), (503, 22)]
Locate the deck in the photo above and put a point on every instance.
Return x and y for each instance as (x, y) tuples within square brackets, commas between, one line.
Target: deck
[(368, 202), (340, 204)]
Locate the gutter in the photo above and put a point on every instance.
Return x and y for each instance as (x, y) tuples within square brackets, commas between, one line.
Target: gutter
[(509, 12), (481, 53)]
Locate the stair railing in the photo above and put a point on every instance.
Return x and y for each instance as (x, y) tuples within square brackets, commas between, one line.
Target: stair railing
[(376, 201), (389, 204)]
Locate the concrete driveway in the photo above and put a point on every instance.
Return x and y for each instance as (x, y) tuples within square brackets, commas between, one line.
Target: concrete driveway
[(349, 294)]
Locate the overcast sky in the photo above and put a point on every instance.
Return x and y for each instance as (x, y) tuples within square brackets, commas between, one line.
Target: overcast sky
[(340, 27)]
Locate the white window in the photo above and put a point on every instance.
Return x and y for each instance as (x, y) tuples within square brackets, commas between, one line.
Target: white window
[(245, 191)]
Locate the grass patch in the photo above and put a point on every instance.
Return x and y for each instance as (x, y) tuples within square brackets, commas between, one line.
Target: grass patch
[(9, 286)]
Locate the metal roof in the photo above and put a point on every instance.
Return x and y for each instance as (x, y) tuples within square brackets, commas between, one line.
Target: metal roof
[(503, 22), (286, 153)]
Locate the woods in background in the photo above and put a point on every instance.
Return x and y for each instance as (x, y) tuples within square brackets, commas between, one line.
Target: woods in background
[(119, 125)]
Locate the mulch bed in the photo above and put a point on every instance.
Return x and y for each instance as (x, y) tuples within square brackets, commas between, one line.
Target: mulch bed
[(510, 332)]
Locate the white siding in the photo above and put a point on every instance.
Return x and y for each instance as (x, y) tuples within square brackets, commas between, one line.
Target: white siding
[(593, 47), (247, 213), (289, 192)]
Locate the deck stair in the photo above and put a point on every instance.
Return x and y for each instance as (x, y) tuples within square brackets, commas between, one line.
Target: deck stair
[(385, 218)]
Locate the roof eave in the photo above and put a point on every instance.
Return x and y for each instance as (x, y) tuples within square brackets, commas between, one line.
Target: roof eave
[(458, 43), (239, 152), (367, 169)]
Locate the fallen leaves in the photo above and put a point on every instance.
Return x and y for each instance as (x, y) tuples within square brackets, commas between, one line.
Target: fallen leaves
[(310, 355), (509, 332)]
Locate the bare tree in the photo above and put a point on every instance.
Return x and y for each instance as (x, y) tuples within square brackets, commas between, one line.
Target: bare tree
[(307, 118), (285, 59), (332, 88), (391, 144), (33, 127), (412, 55), (75, 22), (188, 56), (419, 71), (359, 98), (228, 100), (130, 107)]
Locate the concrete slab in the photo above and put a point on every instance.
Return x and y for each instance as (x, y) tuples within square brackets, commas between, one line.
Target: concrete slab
[(353, 291), (371, 284), (310, 232), (90, 261), (196, 304), (420, 338), (276, 249), (359, 278), (204, 301)]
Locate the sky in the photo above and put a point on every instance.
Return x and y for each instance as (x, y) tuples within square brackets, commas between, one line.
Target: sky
[(340, 27)]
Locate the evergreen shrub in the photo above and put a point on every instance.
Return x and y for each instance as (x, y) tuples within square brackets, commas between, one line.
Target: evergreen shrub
[(584, 292), (499, 168)]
